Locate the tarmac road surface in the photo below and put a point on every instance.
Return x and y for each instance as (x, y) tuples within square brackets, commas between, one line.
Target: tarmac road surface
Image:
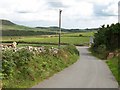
[(87, 72)]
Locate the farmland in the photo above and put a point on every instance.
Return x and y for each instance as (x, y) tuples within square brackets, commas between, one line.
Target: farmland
[(43, 35), (59, 44), (19, 76), (70, 38)]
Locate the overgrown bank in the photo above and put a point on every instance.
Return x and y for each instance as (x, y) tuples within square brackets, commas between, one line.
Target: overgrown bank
[(114, 65), (106, 46), (23, 69)]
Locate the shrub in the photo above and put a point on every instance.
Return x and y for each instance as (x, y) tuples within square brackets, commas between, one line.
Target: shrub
[(12, 60), (80, 35), (24, 68), (109, 36), (72, 49), (101, 50), (106, 40)]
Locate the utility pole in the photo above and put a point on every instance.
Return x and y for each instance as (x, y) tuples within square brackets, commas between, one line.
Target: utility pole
[(60, 11)]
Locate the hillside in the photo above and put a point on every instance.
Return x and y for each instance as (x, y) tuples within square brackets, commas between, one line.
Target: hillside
[(8, 25), (11, 29), (6, 22), (55, 28)]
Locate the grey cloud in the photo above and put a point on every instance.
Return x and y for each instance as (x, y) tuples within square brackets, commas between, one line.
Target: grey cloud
[(98, 11), (23, 12), (57, 4)]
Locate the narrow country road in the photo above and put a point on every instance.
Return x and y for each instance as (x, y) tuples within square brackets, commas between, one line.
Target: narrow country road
[(88, 72)]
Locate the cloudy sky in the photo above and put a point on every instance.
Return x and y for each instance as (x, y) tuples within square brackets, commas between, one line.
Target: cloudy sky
[(75, 14)]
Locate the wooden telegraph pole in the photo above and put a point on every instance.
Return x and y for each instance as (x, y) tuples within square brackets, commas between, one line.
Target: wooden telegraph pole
[(60, 11)]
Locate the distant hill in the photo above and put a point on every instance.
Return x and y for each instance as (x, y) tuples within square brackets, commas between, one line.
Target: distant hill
[(8, 25), (6, 22), (11, 29), (55, 28)]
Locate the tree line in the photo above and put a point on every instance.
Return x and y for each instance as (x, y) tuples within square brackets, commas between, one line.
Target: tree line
[(107, 39), (24, 33)]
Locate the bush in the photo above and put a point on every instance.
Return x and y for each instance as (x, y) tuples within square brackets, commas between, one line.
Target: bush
[(80, 35), (12, 60), (106, 40), (101, 50), (72, 49), (109, 36), (24, 68)]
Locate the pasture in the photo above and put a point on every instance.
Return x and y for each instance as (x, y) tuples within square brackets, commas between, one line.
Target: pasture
[(68, 38)]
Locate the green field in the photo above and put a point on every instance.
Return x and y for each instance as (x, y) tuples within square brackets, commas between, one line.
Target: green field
[(11, 29), (69, 38), (84, 34), (46, 35)]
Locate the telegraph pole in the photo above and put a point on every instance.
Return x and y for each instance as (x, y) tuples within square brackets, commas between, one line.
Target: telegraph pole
[(60, 11)]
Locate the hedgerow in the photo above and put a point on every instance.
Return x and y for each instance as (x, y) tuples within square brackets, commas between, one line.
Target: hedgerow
[(23, 69), (106, 39)]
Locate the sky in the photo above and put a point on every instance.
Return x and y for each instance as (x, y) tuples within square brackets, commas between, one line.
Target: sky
[(75, 13)]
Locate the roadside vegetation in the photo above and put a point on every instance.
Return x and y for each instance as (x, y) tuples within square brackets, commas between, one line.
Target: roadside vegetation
[(23, 68), (114, 65), (106, 46)]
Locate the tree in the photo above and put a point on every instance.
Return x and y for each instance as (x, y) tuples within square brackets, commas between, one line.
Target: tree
[(108, 36)]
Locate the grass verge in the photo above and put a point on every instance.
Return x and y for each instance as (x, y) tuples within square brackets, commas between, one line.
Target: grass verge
[(23, 69), (114, 65)]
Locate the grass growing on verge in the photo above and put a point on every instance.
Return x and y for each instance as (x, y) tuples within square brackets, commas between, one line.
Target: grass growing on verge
[(23, 69), (114, 65), (100, 52)]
